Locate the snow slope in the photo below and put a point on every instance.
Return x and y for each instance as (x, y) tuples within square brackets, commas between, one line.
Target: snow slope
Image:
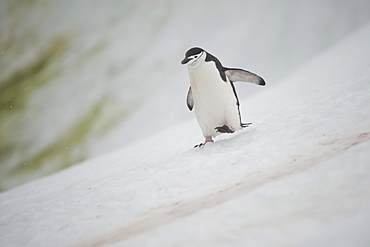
[(299, 176), (78, 76)]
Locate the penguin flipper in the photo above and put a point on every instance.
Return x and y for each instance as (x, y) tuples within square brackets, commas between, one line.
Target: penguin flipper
[(235, 74), (190, 100)]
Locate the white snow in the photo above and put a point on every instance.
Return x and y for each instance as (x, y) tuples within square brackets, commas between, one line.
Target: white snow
[(298, 176), (128, 67)]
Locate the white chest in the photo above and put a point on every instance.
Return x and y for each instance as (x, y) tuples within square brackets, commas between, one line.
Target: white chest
[(208, 87), (215, 103)]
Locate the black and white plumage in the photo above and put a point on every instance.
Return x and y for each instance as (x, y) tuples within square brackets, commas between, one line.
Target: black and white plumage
[(212, 93)]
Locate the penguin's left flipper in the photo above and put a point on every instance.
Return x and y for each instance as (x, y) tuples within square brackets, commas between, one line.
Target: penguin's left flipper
[(190, 100), (235, 74)]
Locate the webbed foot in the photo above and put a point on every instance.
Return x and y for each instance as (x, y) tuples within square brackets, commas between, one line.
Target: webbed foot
[(208, 139), (224, 129)]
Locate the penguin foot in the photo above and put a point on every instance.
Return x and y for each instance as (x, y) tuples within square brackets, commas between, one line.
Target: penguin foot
[(224, 129), (244, 125), (208, 139)]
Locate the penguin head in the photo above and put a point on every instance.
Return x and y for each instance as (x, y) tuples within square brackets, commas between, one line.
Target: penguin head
[(194, 57)]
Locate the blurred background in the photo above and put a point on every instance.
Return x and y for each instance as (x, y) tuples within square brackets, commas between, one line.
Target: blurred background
[(81, 78)]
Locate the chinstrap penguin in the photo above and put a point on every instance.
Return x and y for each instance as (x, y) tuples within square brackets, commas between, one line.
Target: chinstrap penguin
[(212, 93)]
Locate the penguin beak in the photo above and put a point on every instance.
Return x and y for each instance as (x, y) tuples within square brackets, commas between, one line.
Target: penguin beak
[(185, 60)]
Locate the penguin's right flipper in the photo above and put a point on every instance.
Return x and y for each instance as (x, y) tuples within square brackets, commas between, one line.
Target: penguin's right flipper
[(235, 74), (190, 100)]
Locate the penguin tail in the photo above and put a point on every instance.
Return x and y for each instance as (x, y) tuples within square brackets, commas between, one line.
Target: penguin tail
[(244, 125)]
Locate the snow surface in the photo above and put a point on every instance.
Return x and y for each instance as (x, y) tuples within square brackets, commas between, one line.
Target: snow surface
[(298, 176), (126, 68)]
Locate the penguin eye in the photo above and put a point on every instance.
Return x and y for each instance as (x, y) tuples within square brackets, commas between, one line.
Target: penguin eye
[(196, 57)]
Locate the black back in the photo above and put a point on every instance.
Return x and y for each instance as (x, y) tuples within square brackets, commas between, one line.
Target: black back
[(209, 58)]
